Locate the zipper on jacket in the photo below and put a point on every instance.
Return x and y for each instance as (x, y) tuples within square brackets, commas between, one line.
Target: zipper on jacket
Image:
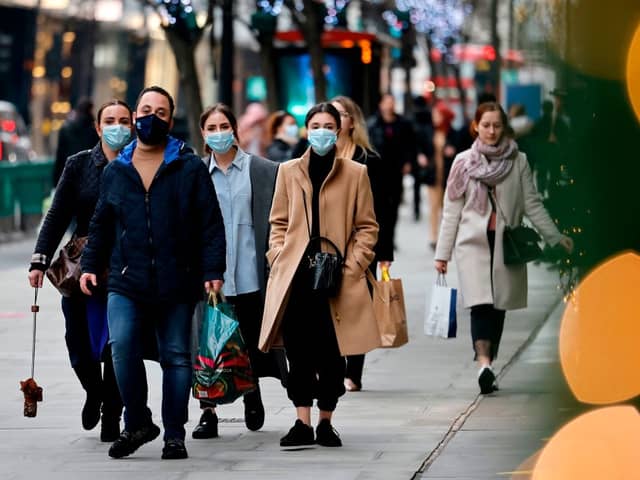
[(148, 211)]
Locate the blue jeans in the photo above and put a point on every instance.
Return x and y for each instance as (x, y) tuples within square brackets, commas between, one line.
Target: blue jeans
[(172, 325)]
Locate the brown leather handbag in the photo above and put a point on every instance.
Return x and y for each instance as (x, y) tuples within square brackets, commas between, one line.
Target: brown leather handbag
[(64, 272)]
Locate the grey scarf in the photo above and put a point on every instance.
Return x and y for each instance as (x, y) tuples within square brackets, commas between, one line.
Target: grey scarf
[(480, 172)]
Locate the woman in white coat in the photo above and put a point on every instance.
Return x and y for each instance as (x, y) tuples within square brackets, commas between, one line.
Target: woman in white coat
[(492, 170)]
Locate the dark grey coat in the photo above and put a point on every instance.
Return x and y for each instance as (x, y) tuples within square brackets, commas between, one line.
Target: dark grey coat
[(263, 174)]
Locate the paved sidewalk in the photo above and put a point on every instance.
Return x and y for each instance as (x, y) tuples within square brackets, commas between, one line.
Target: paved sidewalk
[(411, 395), (504, 430)]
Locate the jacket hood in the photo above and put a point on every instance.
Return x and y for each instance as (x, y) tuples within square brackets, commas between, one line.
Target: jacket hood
[(172, 151)]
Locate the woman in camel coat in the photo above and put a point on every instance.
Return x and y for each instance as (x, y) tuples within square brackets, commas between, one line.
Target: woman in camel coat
[(488, 181), (319, 194)]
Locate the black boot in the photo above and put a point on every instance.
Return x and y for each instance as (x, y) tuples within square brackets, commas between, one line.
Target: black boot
[(253, 410), (90, 376), (207, 427)]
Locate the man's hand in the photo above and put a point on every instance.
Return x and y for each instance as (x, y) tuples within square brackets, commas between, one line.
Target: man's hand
[(87, 279), (35, 278), (214, 286), (423, 160)]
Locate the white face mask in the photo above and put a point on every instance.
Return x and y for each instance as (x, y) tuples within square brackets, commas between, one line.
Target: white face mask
[(322, 140), (291, 131)]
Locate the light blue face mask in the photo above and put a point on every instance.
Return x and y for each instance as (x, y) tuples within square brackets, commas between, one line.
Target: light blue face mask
[(116, 136), (220, 142), (291, 131), (322, 140)]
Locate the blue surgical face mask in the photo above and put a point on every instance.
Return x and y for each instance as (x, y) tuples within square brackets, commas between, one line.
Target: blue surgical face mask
[(291, 131), (220, 142), (116, 136), (322, 140)]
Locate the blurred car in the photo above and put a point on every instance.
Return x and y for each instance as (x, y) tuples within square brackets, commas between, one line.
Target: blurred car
[(15, 144)]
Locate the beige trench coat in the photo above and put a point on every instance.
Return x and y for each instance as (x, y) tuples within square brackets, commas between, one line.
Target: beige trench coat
[(349, 221), (464, 231)]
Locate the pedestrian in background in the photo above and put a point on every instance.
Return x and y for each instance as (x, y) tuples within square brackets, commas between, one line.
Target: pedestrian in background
[(423, 169), (252, 127), (76, 134), (392, 136), (444, 151), (76, 198), (320, 194), (487, 182), (244, 186), (283, 136), (353, 143), (158, 227)]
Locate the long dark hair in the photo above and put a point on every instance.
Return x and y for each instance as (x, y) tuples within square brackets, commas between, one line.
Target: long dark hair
[(115, 101), (225, 110), (324, 107)]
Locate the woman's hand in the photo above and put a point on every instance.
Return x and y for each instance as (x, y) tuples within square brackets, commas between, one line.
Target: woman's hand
[(35, 278), (85, 280), (441, 266), (566, 243), (214, 286), (383, 264)]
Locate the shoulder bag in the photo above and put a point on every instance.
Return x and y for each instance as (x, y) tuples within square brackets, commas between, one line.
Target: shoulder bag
[(520, 244), (325, 268), (64, 272)]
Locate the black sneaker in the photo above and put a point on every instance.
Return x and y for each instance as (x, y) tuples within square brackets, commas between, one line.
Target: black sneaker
[(253, 411), (109, 429), (91, 411), (486, 380), (129, 442), (207, 427), (326, 435), (174, 449), (300, 435)]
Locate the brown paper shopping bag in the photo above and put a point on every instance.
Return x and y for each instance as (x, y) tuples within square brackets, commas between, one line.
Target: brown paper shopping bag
[(389, 310)]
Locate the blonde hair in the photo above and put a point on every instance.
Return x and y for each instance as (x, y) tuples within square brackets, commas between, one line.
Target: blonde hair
[(359, 134)]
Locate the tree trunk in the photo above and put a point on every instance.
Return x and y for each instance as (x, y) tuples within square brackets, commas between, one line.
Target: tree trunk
[(495, 43), (268, 66), (311, 28), (189, 84), (462, 93)]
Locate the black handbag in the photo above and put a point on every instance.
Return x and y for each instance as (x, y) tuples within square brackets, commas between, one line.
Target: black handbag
[(520, 244), (325, 269)]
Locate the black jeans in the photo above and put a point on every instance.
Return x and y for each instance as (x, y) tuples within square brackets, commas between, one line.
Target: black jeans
[(487, 322), (316, 368)]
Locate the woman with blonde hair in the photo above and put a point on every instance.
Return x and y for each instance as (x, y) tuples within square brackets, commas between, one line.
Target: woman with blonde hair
[(353, 143)]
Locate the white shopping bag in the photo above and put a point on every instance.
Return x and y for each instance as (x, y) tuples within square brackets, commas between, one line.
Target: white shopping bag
[(440, 319)]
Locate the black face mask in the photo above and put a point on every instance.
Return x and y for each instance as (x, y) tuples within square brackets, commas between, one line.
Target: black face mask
[(151, 130)]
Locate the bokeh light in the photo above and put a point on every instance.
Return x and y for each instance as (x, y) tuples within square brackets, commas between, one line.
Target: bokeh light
[(601, 444), (633, 72), (599, 334)]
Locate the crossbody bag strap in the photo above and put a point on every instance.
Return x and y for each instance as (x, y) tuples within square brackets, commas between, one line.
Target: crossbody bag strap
[(494, 200)]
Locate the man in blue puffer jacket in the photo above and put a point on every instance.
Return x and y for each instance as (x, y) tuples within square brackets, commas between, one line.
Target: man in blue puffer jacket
[(159, 229)]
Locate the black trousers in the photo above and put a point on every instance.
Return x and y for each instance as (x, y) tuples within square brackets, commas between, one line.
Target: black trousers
[(316, 368), (87, 369), (487, 322)]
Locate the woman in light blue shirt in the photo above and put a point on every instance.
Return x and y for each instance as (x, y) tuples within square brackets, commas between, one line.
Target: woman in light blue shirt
[(244, 185)]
